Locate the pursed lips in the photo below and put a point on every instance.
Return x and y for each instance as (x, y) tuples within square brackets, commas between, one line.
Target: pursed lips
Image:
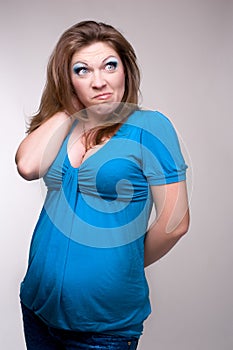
[(103, 96)]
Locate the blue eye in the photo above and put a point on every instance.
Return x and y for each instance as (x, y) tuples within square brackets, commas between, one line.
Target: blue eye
[(80, 69), (111, 65)]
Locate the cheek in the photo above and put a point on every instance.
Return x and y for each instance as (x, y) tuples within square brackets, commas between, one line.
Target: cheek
[(75, 84), (120, 82), (122, 85), (81, 93), (79, 87)]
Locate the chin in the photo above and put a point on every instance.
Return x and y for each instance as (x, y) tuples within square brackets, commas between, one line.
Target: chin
[(103, 108)]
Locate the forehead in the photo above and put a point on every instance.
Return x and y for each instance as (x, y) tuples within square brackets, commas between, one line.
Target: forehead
[(94, 53)]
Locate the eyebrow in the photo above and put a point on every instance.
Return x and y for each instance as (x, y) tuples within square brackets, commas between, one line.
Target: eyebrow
[(86, 64)]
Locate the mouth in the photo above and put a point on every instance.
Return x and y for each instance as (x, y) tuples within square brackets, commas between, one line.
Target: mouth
[(103, 97)]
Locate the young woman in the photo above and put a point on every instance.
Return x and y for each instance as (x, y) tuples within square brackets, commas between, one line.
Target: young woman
[(105, 162)]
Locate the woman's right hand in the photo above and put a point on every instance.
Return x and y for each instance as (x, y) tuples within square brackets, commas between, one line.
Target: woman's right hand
[(39, 149)]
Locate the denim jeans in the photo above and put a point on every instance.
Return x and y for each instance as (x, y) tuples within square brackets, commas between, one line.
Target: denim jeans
[(39, 336)]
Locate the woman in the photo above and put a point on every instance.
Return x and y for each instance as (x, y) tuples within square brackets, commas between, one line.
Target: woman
[(105, 162)]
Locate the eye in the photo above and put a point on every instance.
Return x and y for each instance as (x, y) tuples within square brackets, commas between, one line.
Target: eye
[(111, 65), (80, 69)]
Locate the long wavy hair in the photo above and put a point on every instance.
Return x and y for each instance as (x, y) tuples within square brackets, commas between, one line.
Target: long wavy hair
[(59, 94)]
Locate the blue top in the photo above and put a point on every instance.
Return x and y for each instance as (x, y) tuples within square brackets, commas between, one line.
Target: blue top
[(86, 261)]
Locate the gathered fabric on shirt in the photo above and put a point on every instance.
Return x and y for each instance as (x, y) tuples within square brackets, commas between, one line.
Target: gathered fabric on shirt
[(86, 261)]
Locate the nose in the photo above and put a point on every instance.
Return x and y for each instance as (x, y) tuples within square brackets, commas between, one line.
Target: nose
[(98, 80)]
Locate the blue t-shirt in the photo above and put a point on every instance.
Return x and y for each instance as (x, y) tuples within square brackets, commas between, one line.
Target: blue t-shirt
[(86, 261)]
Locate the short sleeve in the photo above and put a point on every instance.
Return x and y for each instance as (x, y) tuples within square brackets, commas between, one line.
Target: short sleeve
[(162, 160)]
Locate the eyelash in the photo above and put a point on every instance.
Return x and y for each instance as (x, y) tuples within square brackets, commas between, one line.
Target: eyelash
[(109, 66), (77, 70), (113, 64)]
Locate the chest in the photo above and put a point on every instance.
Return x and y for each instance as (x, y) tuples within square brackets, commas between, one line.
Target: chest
[(77, 152), (111, 168)]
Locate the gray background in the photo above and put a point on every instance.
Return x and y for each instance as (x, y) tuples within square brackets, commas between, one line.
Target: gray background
[(185, 53)]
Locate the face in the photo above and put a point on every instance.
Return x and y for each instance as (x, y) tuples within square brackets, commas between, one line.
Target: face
[(97, 75)]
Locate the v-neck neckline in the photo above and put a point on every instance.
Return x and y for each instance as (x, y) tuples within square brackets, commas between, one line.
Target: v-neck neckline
[(91, 155)]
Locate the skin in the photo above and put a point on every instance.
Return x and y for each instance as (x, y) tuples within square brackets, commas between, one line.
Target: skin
[(101, 82), (97, 82), (98, 77), (171, 223)]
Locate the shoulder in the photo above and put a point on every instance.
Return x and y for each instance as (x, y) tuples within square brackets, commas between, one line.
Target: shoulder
[(151, 121)]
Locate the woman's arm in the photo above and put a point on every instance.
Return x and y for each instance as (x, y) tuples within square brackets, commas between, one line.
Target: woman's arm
[(39, 149), (171, 223)]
